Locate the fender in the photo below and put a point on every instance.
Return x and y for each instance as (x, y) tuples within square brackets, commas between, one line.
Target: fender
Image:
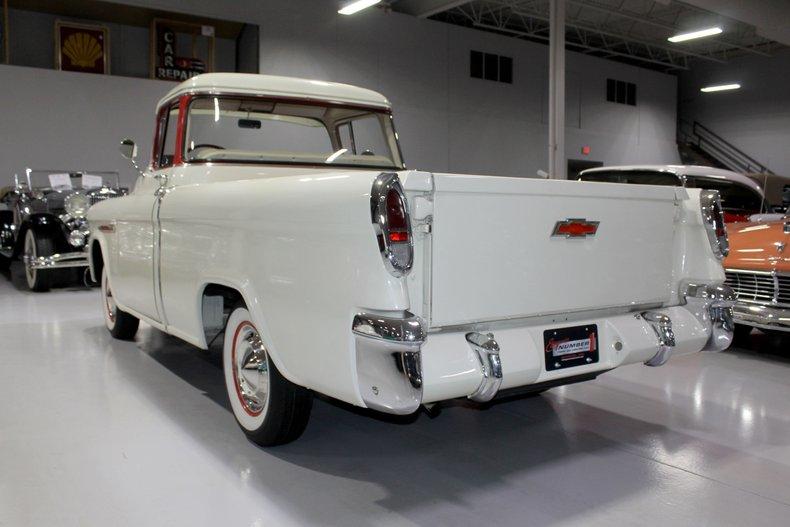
[(256, 314), (43, 224)]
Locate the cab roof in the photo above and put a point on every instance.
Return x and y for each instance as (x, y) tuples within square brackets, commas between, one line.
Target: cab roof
[(276, 86), (685, 170)]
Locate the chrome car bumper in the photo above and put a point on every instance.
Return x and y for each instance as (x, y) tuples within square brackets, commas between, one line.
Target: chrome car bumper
[(761, 316), (57, 261), (399, 366)]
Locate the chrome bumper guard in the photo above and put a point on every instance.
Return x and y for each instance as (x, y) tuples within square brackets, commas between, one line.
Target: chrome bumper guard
[(487, 351), (761, 316), (389, 369), (57, 261), (713, 304), (662, 327)]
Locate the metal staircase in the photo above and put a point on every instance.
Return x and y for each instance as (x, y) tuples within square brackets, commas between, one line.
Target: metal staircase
[(699, 145)]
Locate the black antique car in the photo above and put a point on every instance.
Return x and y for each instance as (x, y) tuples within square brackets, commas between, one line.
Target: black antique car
[(42, 220)]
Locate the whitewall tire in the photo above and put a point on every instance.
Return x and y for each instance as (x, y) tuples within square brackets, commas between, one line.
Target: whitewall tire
[(35, 246), (121, 324), (270, 409)]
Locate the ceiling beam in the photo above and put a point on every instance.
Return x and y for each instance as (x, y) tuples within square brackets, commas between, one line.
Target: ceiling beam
[(646, 19), (426, 8)]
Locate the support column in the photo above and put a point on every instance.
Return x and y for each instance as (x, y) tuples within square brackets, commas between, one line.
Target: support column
[(558, 166)]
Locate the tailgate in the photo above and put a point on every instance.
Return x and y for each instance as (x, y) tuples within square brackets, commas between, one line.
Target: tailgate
[(494, 257)]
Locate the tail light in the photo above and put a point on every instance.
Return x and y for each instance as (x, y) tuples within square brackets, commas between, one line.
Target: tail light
[(390, 215), (713, 218)]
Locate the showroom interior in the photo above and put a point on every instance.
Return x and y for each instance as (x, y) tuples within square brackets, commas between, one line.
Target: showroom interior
[(651, 137)]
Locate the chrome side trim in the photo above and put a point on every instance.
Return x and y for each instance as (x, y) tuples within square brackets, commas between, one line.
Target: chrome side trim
[(662, 326), (57, 261), (409, 329), (487, 351)]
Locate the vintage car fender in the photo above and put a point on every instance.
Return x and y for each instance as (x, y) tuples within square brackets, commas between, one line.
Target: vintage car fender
[(42, 224), (303, 253), (300, 249)]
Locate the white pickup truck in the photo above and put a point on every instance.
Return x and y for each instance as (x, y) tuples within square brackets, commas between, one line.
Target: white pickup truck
[(278, 213)]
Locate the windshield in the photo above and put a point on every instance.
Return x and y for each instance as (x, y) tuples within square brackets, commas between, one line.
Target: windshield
[(254, 130), (62, 180)]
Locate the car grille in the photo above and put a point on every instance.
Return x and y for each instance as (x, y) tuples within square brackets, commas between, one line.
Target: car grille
[(760, 287)]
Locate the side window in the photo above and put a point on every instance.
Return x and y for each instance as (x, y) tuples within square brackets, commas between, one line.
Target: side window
[(167, 137), (346, 134)]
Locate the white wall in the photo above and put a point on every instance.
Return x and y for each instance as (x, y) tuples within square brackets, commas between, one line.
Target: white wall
[(756, 118), (446, 120)]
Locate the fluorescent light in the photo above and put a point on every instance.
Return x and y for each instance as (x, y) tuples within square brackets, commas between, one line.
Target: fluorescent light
[(359, 5), (696, 34), (721, 87)]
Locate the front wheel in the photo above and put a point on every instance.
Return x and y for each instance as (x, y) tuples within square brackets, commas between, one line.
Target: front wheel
[(269, 408), (121, 324), (37, 245)]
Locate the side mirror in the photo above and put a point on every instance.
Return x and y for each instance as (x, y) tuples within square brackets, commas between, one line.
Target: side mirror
[(128, 149)]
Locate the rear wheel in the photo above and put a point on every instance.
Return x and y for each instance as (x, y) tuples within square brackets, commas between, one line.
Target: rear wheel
[(269, 408), (121, 324), (36, 246)]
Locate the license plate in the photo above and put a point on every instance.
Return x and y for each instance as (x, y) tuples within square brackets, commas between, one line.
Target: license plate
[(568, 347)]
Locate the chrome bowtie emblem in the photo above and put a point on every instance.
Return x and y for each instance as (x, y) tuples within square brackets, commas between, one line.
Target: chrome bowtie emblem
[(575, 228), (780, 247)]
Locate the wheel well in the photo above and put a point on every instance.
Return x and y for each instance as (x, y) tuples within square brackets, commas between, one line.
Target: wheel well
[(97, 260), (212, 326)]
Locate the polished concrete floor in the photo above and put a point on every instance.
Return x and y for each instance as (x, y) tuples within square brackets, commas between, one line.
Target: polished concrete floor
[(98, 432)]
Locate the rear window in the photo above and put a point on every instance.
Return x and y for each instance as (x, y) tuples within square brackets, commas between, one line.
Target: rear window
[(638, 177)]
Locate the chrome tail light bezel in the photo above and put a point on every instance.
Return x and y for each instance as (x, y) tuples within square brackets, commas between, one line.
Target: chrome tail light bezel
[(395, 261), (713, 219)]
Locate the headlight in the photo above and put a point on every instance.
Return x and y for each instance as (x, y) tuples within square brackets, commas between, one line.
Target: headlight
[(77, 239), (77, 205)]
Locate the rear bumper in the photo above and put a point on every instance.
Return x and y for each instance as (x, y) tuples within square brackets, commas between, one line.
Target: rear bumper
[(397, 371), (760, 316)]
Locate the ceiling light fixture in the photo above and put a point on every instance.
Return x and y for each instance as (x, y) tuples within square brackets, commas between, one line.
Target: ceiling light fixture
[(696, 34), (721, 87), (359, 5)]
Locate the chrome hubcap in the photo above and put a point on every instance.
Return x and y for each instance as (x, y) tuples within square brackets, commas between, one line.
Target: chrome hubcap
[(30, 256), (251, 370), (109, 301)]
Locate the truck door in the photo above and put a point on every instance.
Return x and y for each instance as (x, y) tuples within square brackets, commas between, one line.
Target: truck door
[(136, 281)]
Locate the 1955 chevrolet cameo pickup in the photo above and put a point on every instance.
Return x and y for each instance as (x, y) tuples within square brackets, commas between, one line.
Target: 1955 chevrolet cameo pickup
[(278, 213)]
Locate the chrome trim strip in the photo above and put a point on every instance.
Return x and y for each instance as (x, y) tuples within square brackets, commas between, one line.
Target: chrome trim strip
[(662, 327), (57, 261), (487, 351), (410, 329), (764, 317)]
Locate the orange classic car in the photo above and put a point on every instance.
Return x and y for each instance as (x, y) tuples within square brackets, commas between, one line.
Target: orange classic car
[(758, 270)]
